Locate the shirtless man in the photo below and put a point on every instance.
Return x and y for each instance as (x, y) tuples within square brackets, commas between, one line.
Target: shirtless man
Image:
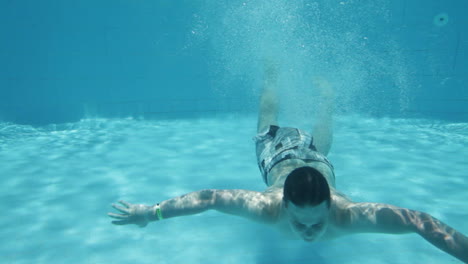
[(301, 200)]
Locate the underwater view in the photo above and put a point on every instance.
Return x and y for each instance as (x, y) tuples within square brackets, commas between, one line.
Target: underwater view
[(158, 132)]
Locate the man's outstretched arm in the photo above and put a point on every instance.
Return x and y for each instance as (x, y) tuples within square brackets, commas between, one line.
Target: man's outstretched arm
[(253, 205), (383, 218)]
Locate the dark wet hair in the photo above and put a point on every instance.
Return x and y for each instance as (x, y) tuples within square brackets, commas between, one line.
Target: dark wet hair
[(306, 186)]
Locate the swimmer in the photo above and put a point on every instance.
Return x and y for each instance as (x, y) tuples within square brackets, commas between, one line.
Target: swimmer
[(300, 199)]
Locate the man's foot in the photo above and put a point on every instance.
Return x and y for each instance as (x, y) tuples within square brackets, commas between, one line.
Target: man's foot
[(324, 87)]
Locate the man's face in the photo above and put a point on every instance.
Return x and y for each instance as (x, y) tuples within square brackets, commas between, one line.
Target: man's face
[(309, 222)]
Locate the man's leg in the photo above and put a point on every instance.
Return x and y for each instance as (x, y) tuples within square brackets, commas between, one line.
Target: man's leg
[(323, 128), (268, 114)]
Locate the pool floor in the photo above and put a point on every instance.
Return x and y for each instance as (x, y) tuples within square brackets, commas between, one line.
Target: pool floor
[(58, 183)]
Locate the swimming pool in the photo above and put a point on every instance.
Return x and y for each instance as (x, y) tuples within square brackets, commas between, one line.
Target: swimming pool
[(95, 98), (59, 181)]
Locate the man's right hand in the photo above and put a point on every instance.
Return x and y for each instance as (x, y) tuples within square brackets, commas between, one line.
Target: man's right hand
[(137, 214)]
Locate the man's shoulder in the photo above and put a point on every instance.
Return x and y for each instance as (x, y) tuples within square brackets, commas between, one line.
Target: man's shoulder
[(272, 198), (340, 209), (273, 194)]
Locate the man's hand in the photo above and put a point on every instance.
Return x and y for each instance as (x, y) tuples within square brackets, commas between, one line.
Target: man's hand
[(137, 214)]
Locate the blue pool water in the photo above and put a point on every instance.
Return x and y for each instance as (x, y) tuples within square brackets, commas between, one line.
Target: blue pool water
[(58, 182), (147, 100)]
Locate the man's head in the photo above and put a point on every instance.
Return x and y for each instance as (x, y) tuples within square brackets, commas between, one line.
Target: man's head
[(306, 197)]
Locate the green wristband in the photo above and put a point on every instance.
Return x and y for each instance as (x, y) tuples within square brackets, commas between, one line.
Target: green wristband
[(157, 212)]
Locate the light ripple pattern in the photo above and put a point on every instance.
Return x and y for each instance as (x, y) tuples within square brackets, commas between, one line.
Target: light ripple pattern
[(58, 183)]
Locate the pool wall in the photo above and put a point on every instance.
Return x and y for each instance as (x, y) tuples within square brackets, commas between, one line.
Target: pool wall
[(65, 61)]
